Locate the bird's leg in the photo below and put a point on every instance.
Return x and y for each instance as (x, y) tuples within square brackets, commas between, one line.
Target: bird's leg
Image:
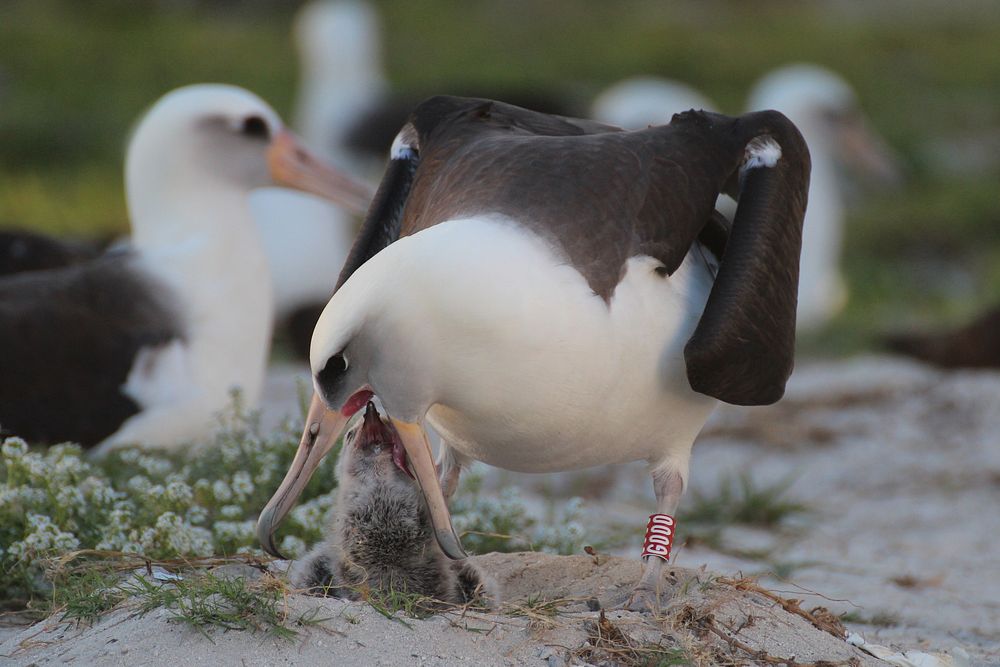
[(668, 484)]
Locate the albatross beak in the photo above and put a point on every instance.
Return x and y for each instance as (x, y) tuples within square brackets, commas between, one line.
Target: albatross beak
[(862, 147), (323, 427), (418, 451), (293, 166)]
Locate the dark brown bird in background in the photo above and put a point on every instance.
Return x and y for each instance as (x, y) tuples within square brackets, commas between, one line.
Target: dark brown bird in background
[(973, 345)]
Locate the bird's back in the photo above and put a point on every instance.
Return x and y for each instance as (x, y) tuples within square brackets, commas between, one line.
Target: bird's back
[(68, 339)]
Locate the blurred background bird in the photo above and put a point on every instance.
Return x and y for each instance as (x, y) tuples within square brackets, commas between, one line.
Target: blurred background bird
[(917, 257), (912, 255), (145, 342)]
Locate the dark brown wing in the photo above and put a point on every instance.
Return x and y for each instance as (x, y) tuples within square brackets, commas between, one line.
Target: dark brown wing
[(21, 250), (68, 339), (742, 351), (599, 199), (974, 345), (384, 222), (373, 132)]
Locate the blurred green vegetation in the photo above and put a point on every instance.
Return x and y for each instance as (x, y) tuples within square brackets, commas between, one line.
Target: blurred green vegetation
[(75, 75)]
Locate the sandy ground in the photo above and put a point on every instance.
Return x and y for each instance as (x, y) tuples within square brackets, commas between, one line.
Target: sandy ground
[(899, 463), (524, 634)]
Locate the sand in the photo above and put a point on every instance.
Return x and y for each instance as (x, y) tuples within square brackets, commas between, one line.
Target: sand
[(522, 634)]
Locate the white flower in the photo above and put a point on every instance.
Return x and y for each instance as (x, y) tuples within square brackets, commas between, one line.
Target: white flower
[(197, 514), (36, 466), (138, 484), (201, 541), (231, 511), (32, 497), (231, 452), (8, 496), (221, 490), (131, 547), (242, 484), (44, 538), (234, 531), (14, 448), (147, 538), (292, 546), (269, 467), (65, 541), (98, 491), (65, 467), (187, 539), (312, 513), (179, 492), (153, 466), (167, 521), (119, 519), (70, 496), (130, 455), (112, 542), (175, 476)]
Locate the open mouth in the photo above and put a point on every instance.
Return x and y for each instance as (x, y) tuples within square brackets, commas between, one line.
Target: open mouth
[(411, 452), (378, 432)]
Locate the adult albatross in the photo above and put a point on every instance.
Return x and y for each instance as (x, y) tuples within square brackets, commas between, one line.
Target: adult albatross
[(545, 293), (143, 345)]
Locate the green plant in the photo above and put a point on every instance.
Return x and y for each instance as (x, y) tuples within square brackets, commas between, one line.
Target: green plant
[(506, 523), (134, 507), (742, 501), (881, 619), (161, 505)]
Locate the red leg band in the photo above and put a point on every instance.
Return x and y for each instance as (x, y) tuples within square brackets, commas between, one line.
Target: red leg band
[(659, 536)]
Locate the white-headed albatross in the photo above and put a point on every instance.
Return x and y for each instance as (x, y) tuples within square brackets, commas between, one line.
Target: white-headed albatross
[(143, 345), (546, 293)]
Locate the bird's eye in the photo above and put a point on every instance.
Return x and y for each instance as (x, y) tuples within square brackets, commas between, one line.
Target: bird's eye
[(255, 126), (337, 363), (330, 379)]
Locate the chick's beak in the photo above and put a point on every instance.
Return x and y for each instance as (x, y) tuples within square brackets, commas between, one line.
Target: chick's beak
[(376, 430), (293, 166)]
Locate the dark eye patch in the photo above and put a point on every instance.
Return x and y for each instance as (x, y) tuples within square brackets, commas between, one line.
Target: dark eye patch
[(255, 126), (332, 375)]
